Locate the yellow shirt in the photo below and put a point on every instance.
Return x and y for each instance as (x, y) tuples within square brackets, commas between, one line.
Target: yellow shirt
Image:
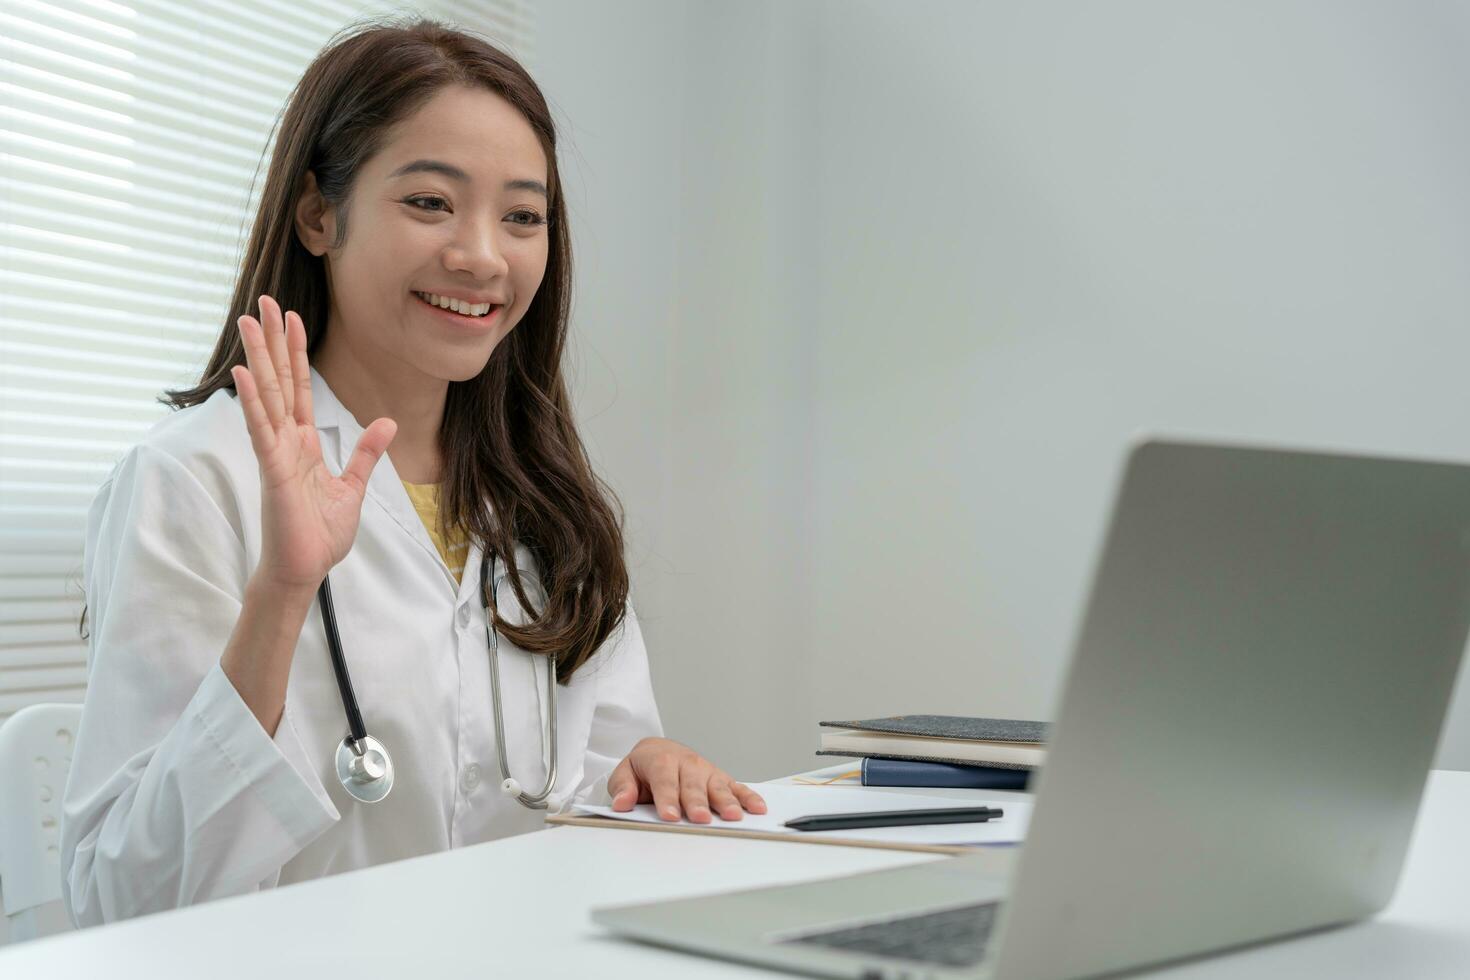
[(425, 497)]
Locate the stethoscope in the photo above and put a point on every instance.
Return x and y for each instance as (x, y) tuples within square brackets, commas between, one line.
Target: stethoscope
[(364, 765)]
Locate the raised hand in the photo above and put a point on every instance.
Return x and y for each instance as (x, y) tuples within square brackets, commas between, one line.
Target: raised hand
[(309, 517)]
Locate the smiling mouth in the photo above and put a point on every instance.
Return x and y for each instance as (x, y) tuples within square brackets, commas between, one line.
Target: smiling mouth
[(468, 317)]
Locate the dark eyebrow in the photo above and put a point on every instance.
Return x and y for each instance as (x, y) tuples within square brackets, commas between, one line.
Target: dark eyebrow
[(454, 173), (527, 185)]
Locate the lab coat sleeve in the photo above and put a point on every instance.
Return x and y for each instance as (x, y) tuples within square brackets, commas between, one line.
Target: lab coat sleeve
[(176, 794), (626, 711)]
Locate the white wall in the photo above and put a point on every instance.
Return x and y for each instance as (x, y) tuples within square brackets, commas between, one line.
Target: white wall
[(873, 294), (1046, 227), (691, 328)]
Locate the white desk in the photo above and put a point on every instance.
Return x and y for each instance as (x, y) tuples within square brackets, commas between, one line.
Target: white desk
[(519, 907)]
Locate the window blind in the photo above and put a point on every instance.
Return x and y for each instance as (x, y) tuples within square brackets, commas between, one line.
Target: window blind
[(130, 137)]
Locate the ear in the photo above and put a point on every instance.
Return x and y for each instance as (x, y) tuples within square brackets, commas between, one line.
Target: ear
[(316, 221)]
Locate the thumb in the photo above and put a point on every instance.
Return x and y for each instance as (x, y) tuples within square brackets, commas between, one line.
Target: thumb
[(371, 446), (622, 786)]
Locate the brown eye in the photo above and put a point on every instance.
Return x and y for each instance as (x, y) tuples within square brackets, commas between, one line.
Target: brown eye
[(418, 202), (535, 219)]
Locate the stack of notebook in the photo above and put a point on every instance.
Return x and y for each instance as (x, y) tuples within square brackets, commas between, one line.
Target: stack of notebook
[(940, 750)]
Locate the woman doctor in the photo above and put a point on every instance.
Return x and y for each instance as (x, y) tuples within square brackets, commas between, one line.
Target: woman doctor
[(413, 227)]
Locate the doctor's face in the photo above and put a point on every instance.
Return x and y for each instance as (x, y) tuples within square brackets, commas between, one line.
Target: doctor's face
[(453, 205)]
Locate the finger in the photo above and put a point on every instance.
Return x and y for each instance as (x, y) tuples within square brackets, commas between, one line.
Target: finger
[(622, 786), (257, 356), (694, 778), (749, 798), (300, 368), (275, 342), (722, 799), (371, 446), (664, 783), (262, 433)]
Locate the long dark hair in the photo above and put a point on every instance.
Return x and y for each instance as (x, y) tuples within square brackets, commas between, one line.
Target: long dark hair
[(515, 468)]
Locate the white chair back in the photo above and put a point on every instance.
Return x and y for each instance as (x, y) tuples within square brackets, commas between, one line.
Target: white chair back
[(35, 756)]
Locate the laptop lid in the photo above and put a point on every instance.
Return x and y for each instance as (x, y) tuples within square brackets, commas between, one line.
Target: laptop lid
[(1259, 682)]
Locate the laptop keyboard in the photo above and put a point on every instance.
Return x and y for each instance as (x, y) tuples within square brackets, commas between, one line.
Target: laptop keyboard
[(954, 937)]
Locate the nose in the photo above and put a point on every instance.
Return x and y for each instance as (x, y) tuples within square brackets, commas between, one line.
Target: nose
[(476, 252)]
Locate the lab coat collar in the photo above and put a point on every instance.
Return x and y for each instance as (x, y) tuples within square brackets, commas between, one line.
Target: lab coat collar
[(385, 487)]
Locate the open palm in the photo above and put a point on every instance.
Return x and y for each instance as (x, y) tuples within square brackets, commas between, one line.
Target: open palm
[(309, 517)]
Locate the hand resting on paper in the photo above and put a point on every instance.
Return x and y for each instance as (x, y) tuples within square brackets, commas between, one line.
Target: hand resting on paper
[(670, 776)]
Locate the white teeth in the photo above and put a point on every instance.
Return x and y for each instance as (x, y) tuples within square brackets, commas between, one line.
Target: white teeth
[(465, 309)]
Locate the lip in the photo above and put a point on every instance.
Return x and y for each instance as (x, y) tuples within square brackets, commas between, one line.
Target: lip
[(459, 320)]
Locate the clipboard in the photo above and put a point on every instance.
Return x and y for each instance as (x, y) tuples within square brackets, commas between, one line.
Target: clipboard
[(612, 823)]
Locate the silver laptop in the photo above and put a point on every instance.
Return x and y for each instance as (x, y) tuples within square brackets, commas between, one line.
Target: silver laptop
[(1251, 711)]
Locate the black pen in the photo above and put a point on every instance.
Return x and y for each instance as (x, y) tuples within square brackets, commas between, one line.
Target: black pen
[(896, 818)]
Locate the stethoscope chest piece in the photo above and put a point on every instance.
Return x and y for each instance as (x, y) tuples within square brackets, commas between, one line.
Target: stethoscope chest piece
[(366, 770)]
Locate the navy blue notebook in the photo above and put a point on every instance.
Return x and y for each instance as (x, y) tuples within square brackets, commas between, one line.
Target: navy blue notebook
[(904, 772)]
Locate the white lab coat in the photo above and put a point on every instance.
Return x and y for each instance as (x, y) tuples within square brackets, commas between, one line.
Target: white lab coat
[(176, 793)]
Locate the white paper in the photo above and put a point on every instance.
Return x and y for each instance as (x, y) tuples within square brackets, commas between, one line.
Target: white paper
[(787, 802)]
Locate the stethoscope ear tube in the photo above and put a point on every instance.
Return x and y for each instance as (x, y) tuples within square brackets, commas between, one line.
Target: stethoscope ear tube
[(511, 786), (356, 730)]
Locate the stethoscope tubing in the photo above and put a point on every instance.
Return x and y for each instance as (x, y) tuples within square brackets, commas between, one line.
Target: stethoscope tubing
[(489, 600), (356, 730)]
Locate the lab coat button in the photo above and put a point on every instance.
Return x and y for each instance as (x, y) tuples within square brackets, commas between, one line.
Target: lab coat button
[(471, 777)]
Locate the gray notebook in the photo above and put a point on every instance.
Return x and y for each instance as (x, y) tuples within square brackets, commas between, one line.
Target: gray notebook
[(948, 738)]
